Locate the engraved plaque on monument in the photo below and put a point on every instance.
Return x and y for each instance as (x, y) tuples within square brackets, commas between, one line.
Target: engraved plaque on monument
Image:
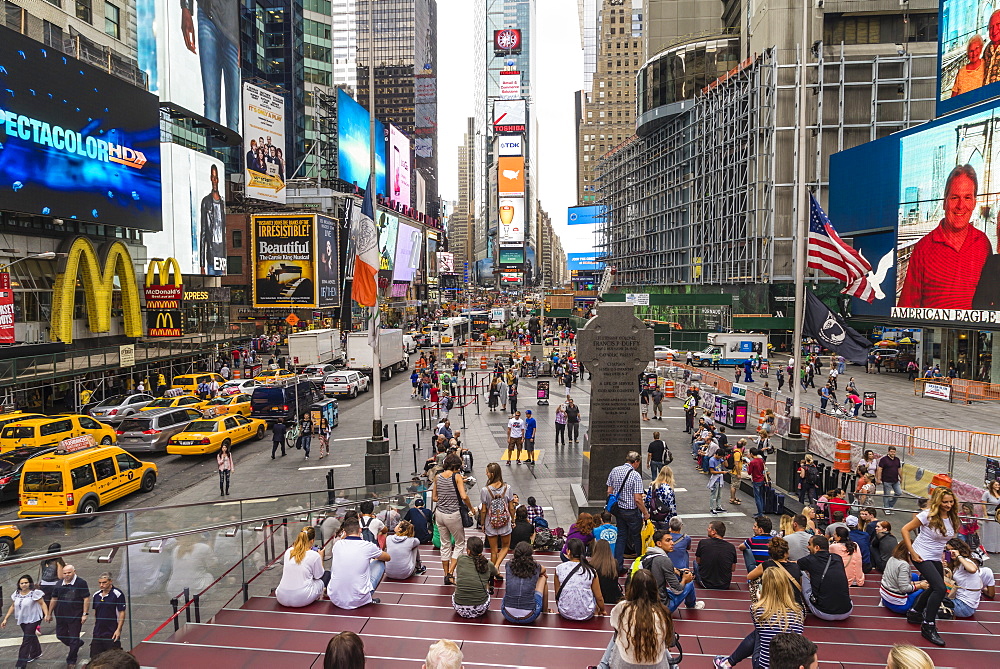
[(616, 346)]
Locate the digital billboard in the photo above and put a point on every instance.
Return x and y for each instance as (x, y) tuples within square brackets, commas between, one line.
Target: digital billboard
[(583, 262), (513, 256), (190, 52), (510, 85), (284, 262), (510, 176), (585, 215), (409, 250), (264, 144), (928, 224), (194, 212), (511, 221), (353, 147), (507, 41), (388, 228), (968, 53), (328, 265), (510, 145), (399, 167), (508, 117), (75, 142)]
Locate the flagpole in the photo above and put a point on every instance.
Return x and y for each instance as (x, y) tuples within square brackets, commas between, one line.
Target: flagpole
[(376, 360), (801, 230)]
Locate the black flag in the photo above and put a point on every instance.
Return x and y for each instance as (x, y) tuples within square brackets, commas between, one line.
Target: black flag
[(832, 332)]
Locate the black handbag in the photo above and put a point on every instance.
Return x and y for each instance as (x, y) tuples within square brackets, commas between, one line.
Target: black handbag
[(463, 510)]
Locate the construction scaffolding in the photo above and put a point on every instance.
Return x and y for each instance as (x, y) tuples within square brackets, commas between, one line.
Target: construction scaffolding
[(707, 198)]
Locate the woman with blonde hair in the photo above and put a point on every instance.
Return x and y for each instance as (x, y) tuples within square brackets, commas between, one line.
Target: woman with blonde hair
[(643, 628), (810, 514), (302, 578), (775, 612), (660, 498), (497, 514), (905, 656), (937, 524), (404, 553)]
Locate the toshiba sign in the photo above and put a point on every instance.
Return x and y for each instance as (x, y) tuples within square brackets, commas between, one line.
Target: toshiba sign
[(511, 145)]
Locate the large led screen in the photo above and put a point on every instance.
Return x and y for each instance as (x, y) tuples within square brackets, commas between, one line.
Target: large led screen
[(509, 117), (283, 259), (194, 212), (510, 177), (583, 262), (399, 167), (388, 228), (264, 144), (75, 142), (191, 53), (328, 264), (968, 53), (354, 149), (928, 225), (409, 250), (584, 215), (511, 220)]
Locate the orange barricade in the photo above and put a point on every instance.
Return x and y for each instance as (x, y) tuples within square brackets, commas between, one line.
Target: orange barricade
[(805, 431), (482, 362), (668, 390), (842, 462)]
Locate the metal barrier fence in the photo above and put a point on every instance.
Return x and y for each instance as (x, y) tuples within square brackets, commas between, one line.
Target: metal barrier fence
[(964, 390)]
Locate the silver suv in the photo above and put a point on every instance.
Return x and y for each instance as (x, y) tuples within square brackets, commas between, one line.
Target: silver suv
[(149, 431), (117, 407)]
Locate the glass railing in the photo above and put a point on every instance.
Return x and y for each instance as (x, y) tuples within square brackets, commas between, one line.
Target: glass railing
[(178, 564)]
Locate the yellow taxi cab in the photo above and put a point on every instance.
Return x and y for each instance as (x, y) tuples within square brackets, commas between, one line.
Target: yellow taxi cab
[(270, 375), (189, 382), (81, 477), (14, 416), (189, 401), (50, 430), (230, 404), (10, 541), (209, 434)]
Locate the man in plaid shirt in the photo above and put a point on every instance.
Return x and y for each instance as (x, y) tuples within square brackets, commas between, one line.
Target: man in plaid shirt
[(626, 482), (534, 511)]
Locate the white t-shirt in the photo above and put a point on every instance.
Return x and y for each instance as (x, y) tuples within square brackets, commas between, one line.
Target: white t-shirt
[(301, 582), (516, 426), (988, 577), (930, 543), (375, 525), (350, 587), (403, 552), (970, 586), (26, 607)]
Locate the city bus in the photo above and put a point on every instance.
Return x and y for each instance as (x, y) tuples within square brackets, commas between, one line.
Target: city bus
[(450, 331)]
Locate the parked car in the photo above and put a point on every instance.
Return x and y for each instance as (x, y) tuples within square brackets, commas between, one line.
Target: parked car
[(49, 431), (11, 464), (237, 386), (150, 431), (116, 407), (317, 373), (347, 382), (285, 399), (208, 435)]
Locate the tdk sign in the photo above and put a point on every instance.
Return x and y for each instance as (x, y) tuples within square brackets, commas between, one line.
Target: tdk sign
[(511, 145)]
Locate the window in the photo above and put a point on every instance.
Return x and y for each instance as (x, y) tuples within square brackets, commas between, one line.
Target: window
[(112, 20), (82, 476), (234, 265), (89, 423), (55, 427), (126, 462), (237, 239), (230, 423), (85, 10), (105, 468), (52, 35)]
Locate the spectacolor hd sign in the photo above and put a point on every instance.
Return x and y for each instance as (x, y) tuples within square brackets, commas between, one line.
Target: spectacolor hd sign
[(77, 143)]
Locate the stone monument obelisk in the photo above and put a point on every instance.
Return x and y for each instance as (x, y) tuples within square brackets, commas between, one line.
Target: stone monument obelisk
[(615, 346)]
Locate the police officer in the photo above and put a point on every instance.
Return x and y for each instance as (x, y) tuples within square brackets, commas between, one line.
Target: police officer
[(109, 616)]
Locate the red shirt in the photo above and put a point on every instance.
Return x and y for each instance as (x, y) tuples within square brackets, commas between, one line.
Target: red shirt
[(756, 470), (940, 276), (838, 504)]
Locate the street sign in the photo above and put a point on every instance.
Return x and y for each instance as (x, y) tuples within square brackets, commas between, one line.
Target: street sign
[(292, 320), (126, 355), (638, 299)]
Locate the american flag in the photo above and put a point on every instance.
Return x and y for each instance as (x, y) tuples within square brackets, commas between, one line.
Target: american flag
[(835, 257)]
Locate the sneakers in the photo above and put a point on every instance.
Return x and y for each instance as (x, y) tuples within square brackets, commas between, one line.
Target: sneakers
[(699, 605), (930, 633), (715, 512), (914, 617), (376, 600), (420, 570), (888, 512), (721, 662), (518, 462)]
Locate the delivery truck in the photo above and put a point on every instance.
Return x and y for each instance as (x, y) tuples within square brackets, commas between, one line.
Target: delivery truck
[(733, 348), (315, 347), (392, 357)]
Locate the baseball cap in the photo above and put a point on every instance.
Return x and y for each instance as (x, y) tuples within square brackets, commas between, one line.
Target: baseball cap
[(418, 502), (528, 412), (851, 521)]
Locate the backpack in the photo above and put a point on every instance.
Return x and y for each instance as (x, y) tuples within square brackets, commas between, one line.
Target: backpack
[(812, 475), (366, 533), (498, 510), (731, 461), (449, 402), (546, 540)]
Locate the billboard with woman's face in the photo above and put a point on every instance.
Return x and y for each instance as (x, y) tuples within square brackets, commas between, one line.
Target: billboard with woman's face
[(968, 53)]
